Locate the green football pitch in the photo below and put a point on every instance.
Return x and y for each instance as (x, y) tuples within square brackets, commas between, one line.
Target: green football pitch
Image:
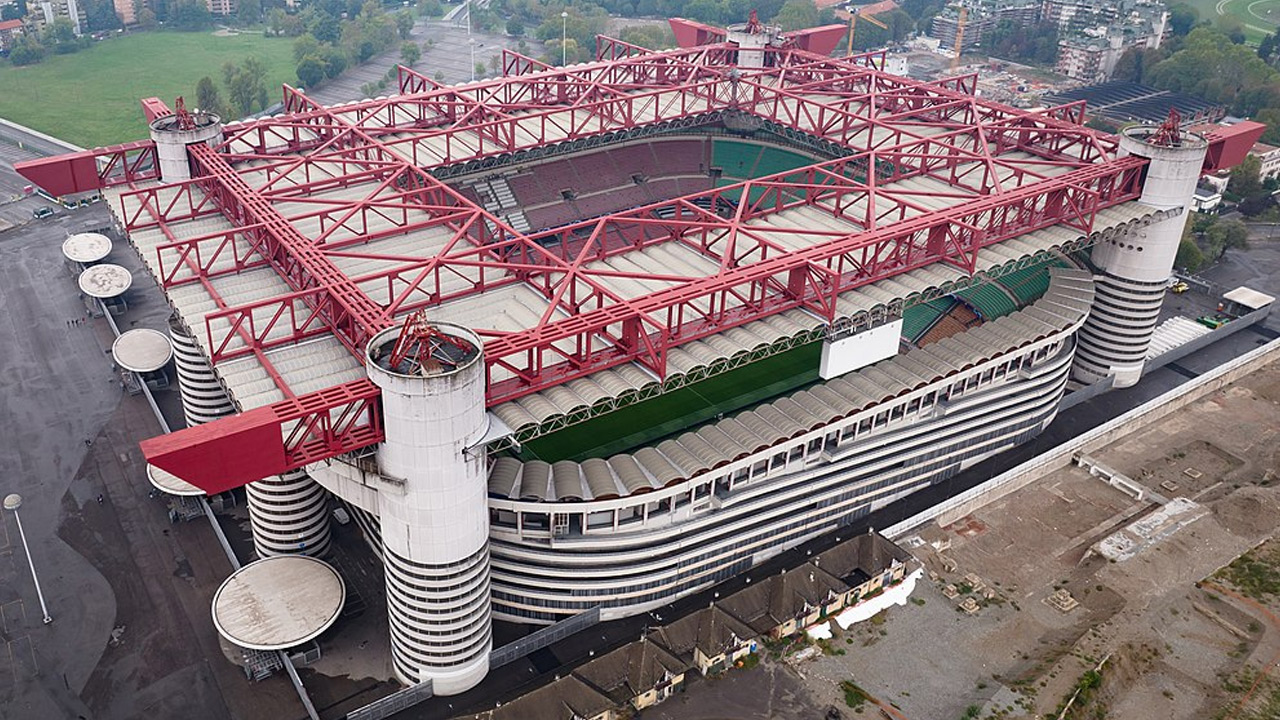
[(680, 410)]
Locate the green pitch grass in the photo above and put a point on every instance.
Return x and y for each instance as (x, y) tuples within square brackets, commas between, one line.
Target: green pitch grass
[(680, 410), (90, 98)]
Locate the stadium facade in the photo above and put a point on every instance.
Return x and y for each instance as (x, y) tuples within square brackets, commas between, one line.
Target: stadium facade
[(403, 302)]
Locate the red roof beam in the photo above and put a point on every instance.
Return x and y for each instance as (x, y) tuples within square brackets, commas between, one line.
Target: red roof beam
[(273, 439), (156, 205), (94, 169), (970, 227)]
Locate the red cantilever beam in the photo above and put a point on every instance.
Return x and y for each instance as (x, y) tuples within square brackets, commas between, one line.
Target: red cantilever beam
[(92, 169), (273, 439)]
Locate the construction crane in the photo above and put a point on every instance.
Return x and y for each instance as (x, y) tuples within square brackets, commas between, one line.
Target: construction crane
[(960, 21), (853, 20)]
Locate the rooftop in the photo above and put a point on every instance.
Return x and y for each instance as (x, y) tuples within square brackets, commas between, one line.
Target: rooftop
[(278, 602), (352, 217)]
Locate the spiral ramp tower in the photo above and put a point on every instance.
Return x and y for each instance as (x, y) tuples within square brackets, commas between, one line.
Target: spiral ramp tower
[(435, 529), (1135, 268), (288, 513)]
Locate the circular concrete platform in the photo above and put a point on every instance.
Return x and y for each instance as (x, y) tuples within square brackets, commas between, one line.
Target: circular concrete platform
[(105, 281), (278, 602), (86, 247), (143, 350), (167, 482)]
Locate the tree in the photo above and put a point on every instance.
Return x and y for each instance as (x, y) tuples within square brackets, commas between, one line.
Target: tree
[(1225, 235), (249, 12), (797, 15), (311, 71), (305, 45), (515, 28), (430, 8), (190, 15), (1271, 118), (276, 20), (1182, 18), (410, 53), (1189, 257), (60, 35), (1245, 181), (1211, 67), (654, 37), (404, 24), (101, 15), (26, 51), (1267, 48), (146, 18), (207, 96), (438, 77), (335, 62), (1135, 63), (495, 64), (246, 84), (14, 11)]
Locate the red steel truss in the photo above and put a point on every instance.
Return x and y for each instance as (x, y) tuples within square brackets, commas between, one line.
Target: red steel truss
[(356, 173)]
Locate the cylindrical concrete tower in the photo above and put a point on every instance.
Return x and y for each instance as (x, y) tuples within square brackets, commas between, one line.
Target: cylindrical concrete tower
[(435, 531), (1136, 267), (752, 37), (288, 515), (173, 133), (203, 399)]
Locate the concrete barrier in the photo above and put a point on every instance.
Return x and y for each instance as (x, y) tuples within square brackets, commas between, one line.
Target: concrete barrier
[(1019, 477)]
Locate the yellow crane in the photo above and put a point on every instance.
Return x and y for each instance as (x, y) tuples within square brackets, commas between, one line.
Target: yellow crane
[(960, 21), (853, 20)]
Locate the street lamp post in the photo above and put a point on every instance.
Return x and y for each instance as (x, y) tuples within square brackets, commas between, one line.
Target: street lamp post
[(564, 38), (11, 503), (472, 43)]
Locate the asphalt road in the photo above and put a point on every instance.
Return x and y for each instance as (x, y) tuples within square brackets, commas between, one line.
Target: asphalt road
[(115, 566)]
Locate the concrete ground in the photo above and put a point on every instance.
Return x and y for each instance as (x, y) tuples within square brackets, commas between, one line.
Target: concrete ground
[(115, 568)]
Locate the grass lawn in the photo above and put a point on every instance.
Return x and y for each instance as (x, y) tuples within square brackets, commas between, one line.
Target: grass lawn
[(679, 410), (91, 98), (1253, 14)]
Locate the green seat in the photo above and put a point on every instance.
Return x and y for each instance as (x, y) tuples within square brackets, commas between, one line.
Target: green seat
[(989, 299), (917, 319)]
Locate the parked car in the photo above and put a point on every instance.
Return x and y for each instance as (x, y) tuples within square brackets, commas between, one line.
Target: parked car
[(341, 515), (42, 212)]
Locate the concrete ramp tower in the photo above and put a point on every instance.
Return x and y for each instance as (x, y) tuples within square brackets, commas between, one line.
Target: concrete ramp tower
[(172, 135), (435, 528), (1135, 268)]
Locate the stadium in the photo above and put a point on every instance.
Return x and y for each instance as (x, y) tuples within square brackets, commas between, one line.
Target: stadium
[(605, 335)]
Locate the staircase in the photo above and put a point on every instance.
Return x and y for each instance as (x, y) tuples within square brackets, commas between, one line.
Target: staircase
[(501, 202)]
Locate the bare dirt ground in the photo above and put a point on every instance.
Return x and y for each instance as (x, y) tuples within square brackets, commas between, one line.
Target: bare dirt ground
[(1145, 639)]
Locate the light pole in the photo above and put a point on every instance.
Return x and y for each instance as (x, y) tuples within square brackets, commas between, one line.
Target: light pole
[(564, 35), (472, 43), (11, 503)]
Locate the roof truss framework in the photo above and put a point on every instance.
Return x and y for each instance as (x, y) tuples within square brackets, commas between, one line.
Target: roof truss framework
[(360, 172)]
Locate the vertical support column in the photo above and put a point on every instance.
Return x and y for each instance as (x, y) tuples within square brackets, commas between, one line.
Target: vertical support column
[(287, 514), (203, 399), (1136, 267), (435, 529)]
